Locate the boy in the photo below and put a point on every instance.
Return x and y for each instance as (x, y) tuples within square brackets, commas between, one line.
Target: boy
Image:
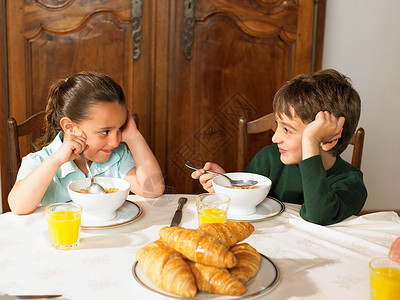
[(394, 252), (316, 116)]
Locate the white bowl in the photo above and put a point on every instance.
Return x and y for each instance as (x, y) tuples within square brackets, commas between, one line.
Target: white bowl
[(99, 207), (243, 201)]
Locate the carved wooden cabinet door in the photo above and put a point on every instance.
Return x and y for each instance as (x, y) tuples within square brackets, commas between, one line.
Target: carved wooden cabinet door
[(228, 60)]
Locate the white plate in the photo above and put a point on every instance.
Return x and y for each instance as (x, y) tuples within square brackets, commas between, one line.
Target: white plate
[(266, 279), (269, 208), (127, 213)]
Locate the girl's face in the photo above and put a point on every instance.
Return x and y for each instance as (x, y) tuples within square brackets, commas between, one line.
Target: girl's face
[(103, 129), (288, 137)]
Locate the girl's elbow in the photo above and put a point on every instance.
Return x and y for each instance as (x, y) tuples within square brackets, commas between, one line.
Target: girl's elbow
[(19, 210), (154, 193), (155, 189), (160, 191)]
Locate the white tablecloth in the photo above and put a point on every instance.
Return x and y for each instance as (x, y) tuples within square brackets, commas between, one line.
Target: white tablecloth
[(315, 262)]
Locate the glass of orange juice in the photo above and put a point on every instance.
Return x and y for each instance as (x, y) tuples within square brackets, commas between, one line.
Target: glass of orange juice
[(212, 207), (384, 275), (64, 220)]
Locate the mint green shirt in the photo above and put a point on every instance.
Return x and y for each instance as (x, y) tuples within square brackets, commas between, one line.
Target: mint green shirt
[(326, 196), (118, 165)]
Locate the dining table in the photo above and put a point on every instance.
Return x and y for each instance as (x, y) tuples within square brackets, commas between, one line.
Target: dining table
[(304, 260)]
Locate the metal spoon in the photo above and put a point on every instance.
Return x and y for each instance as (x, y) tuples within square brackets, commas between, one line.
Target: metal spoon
[(233, 182), (94, 187)]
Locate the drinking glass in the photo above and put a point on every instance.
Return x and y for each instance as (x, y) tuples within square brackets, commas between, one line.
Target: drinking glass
[(212, 208), (64, 220), (384, 275)]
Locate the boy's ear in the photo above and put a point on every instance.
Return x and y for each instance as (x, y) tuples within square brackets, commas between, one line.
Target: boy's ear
[(67, 125), (329, 145)]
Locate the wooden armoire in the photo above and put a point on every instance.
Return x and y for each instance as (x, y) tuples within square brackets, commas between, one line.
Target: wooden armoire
[(189, 68)]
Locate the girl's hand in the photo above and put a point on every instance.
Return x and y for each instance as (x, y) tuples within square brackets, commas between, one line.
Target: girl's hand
[(325, 128), (205, 178), (129, 129), (72, 146)]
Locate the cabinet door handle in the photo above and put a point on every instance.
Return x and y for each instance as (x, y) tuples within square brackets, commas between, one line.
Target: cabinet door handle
[(136, 22), (188, 27)]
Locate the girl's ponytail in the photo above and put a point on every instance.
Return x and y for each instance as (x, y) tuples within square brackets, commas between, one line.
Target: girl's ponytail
[(51, 117)]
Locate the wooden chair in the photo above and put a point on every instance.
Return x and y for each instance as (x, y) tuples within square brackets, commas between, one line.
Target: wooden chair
[(31, 126), (267, 122)]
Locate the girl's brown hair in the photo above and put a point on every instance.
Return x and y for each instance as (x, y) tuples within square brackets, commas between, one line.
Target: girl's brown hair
[(72, 97), (326, 90)]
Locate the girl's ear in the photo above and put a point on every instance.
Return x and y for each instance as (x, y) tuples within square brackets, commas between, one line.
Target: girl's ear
[(329, 145), (67, 125)]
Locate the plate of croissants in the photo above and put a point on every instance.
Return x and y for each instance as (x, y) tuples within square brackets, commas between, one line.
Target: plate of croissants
[(210, 262)]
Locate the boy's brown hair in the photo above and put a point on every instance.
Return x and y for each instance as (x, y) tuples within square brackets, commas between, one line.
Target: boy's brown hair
[(326, 90)]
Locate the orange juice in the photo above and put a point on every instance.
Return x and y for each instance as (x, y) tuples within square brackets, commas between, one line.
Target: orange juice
[(64, 220), (385, 283), (212, 215), (212, 207)]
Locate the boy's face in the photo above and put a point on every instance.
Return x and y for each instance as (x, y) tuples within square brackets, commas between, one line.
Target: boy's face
[(103, 130), (288, 137)]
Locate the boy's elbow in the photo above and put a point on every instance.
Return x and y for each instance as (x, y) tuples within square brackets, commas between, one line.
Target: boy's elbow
[(316, 218), (318, 221)]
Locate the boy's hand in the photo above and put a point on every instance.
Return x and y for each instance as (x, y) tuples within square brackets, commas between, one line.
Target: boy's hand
[(325, 128), (72, 146), (394, 252), (129, 129), (205, 178)]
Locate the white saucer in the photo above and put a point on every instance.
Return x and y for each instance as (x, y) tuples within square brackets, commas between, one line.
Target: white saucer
[(269, 208), (127, 213), (267, 278)]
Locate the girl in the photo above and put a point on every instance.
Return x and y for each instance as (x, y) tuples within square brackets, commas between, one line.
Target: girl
[(85, 112)]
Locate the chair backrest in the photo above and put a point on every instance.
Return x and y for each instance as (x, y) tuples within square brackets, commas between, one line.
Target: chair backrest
[(267, 123), (31, 126), (358, 144)]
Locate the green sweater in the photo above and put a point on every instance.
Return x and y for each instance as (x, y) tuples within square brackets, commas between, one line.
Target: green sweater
[(327, 196)]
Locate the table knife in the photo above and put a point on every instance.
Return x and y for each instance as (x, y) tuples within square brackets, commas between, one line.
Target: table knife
[(28, 296), (178, 214)]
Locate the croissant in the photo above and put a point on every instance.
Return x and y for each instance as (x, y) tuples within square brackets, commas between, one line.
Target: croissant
[(198, 246), (228, 233), (167, 269), (216, 280), (248, 262)]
